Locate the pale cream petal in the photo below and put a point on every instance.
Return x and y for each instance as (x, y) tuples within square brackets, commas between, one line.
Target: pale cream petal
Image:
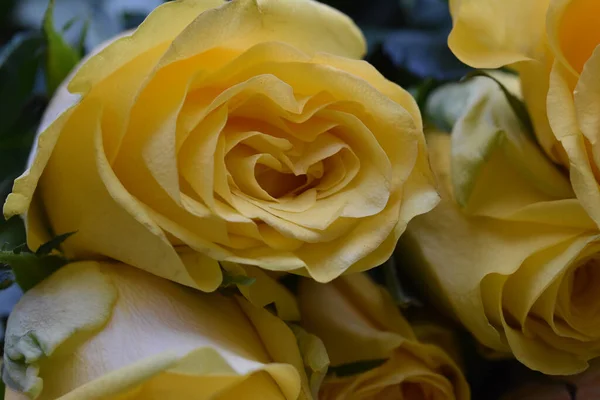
[(158, 336), (32, 336)]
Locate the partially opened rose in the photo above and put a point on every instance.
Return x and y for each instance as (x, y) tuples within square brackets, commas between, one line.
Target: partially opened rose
[(366, 336), (519, 268), (245, 131), (107, 331), (554, 45)]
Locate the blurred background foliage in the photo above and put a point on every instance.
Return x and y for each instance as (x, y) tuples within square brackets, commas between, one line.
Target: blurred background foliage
[(407, 43)]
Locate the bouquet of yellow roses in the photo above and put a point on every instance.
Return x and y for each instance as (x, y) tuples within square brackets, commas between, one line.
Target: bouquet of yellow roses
[(257, 199)]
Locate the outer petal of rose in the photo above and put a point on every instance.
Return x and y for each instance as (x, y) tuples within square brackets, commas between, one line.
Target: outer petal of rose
[(149, 41), (159, 339), (572, 32), (455, 252), (534, 84), (160, 28), (96, 199), (242, 24), (93, 70), (563, 119), (343, 322), (370, 74), (494, 33), (587, 99)]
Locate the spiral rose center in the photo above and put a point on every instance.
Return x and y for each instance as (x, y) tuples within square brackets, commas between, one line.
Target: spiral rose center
[(276, 160), (278, 184)]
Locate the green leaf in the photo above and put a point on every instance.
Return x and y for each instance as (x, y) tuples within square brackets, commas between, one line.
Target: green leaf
[(30, 269), (515, 103), (69, 24), (61, 58), (6, 8), (355, 368), (53, 244), (20, 61), (84, 32)]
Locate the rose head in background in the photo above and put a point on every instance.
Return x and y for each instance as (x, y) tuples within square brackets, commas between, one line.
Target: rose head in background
[(554, 46), (95, 330), (358, 322), (509, 251), (245, 131)]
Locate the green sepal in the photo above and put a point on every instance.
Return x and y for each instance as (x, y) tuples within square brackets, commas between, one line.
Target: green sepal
[(53, 244), (29, 269)]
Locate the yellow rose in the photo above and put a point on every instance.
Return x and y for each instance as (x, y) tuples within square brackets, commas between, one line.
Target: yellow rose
[(359, 324), (517, 264), (553, 44), (244, 131), (106, 331)]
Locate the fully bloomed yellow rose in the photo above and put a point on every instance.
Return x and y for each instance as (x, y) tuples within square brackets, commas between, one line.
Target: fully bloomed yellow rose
[(509, 251), (554, 45), (359, 324), (107, 331), (246, 131)]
